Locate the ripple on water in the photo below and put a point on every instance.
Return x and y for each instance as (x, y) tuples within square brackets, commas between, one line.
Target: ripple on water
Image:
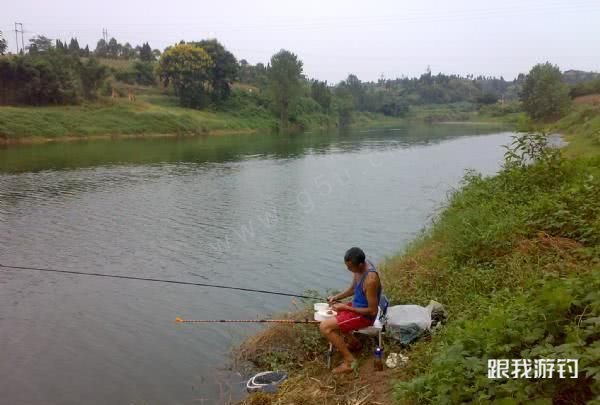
[(276, 214)]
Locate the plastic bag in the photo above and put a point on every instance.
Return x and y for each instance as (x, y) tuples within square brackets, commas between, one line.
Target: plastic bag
[(402, 315), (406, 323)]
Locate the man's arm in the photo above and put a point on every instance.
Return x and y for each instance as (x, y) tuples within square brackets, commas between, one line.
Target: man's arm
[(371, 291), (348, 293)]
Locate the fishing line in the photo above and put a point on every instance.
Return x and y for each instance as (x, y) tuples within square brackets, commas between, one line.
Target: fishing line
[(294, 321), (158, 280)]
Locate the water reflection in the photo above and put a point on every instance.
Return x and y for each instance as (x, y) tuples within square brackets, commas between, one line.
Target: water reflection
[(203, 149), (259, 211)]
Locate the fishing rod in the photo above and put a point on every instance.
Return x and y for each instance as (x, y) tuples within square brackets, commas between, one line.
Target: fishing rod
[(158, 280), (302, 321)]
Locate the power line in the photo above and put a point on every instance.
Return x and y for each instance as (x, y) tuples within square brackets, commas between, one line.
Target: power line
[(157, 280)]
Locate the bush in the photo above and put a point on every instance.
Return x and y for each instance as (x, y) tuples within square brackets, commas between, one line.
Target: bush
[(487, 98), (585, 121), (557, 320), (489, 216), (515, 259), (585, 88), (395, 108), (306, 105), (500, 110), (140, 73), (92, 76), (49, 77)]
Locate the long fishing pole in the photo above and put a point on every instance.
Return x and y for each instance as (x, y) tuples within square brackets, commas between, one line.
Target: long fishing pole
[(305, 321), (158, 280)]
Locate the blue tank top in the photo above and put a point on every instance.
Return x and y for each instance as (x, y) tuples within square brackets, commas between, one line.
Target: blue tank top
[(360, 300)]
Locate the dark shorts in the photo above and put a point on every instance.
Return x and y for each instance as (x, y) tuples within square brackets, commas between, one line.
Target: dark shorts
[(349, 321)]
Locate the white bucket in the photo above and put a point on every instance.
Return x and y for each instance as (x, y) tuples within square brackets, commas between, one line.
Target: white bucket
[(323, 315), (321, 306)]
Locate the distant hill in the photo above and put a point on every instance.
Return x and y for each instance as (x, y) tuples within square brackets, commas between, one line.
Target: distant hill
[(578, 76)]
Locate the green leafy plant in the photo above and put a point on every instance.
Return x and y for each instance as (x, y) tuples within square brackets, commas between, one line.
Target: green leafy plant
[(556, 320)]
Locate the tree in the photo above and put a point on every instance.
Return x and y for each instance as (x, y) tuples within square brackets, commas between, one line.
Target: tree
[(544, 94), (224, 71), (358, 91), (321, 94), (252, 74), (40, 43), (187, 69), (144, 73), (146, 54), (285, 74), (74, 46), (101, 50), (113, 48), (343, 103), (92, 75), (127, 51), (487, 98), (395, 108), (43, 78), (3, 44)]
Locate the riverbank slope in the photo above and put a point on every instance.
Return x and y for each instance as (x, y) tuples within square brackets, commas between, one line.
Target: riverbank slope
[(156, 114), (515, 259)]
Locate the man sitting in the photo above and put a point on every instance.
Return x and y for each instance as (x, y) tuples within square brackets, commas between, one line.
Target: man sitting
[(361, 313)]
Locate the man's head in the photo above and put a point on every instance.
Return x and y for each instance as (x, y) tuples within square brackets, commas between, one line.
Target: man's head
[(355, 260)]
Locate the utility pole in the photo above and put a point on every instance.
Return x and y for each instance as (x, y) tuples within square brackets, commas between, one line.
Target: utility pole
[(17, 37), (19, 29), (105, 34)]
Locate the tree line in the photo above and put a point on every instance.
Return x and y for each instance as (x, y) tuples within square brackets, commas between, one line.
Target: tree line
[(110, 49), (201, 73), (57, 72), (51, 77), (3, 44)]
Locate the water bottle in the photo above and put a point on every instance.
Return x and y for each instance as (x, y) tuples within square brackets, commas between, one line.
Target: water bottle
[(378, 359)]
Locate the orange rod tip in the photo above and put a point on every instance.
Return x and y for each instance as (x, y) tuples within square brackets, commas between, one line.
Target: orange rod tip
[(178, 320)]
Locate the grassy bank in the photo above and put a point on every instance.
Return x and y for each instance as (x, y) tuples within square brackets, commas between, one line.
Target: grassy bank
[(154, 113), (515, 258), (581, 128), (149, 115)]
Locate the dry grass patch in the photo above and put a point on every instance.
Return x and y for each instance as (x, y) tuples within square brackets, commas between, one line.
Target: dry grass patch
[(590, 99), (316, 384)]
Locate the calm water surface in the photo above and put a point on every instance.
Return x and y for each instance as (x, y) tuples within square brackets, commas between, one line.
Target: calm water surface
[(259, 211)]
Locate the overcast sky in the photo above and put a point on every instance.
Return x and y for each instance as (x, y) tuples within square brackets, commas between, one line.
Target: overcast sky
[(336, 37)]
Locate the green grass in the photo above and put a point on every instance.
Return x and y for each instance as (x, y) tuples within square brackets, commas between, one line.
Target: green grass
[(117, 64), (157, 113), (515, 258), (442, 112), (149, 115), (466, 112), (582, 131)]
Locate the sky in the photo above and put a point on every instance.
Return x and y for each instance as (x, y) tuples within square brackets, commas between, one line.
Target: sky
[(371, 39)]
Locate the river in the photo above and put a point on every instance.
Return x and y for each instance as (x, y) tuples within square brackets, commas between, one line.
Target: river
[(259, 211)]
